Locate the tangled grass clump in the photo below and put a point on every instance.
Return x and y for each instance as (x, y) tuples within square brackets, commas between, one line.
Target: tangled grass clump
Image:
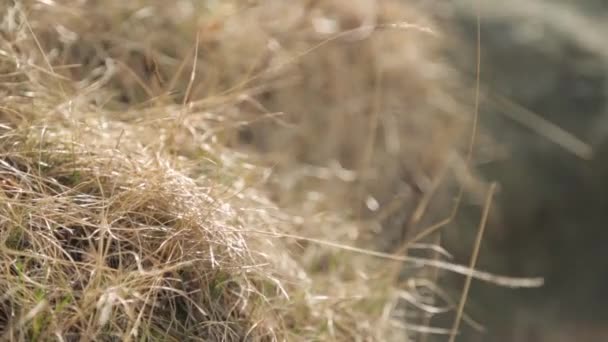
[(133, 207), (100, 245), (125, 217)]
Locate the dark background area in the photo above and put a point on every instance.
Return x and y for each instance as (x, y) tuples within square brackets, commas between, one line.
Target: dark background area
[(551, 213)]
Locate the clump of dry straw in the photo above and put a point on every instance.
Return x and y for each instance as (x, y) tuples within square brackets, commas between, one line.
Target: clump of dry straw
[(128, 213)]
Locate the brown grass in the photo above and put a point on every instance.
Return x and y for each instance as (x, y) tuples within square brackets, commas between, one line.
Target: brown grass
[(145, 146)]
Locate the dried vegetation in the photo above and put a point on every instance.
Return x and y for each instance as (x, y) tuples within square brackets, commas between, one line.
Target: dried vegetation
[(173, 170)]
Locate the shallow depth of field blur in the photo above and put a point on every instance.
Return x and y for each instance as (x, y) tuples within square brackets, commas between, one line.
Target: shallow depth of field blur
[(306, 170), (544, 64)]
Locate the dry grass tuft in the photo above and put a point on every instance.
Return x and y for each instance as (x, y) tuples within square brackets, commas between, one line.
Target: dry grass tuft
[(123, 214), (100, 245), (129, 210), (348, 99)]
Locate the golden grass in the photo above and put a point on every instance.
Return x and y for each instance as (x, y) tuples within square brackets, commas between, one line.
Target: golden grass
[(145, 146), (100, 245)]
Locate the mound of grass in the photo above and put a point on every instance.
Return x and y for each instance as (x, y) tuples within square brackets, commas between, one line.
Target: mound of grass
[(124, 215), (104, 246), (132, 206)]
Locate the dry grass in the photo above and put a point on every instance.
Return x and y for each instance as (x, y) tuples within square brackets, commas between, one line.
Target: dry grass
[(129, 210), (99, 245)]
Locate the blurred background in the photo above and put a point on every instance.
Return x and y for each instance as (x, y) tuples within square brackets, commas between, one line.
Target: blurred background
[(547, 59)]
